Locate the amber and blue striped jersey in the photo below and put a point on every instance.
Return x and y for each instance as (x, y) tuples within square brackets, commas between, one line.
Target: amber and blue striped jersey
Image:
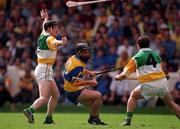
[(74, 67), (147, 64)]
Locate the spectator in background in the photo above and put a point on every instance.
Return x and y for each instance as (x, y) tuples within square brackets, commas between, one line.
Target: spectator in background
[(111, 57), (169, 44), (119, 91), (88, 30), (57, 8), (103, 86), (60, 82), (170, 49), (102, 14), (7, 31), (75, 25), (32, 19), (12, 48), (102, 30), (15, 71), (100, 42), (125, 47), (5, 82), (2, 18), (176, 90), (87, 14), (127, 30), (176, 36), (163, 53), (26, 86), (157, 44), (153, 44), (123, 59), (115, 31), (99, 60)]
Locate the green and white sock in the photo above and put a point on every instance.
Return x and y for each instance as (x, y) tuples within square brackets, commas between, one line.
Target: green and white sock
[(129, 115), (31, 109)]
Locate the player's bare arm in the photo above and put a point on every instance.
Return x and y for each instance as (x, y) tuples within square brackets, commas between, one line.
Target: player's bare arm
[(120, 77), (89, 72), (44, 14), (85, 83), (59, 42), (128, 69)]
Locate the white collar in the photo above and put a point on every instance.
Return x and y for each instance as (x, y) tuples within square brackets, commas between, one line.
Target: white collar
[(145, 49)]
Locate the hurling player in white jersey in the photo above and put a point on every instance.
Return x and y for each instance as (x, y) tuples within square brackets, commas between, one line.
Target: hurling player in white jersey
[(153, 82), (46, 56)]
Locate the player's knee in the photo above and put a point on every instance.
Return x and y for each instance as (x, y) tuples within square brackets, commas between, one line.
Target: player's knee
[(44, 100), (56, 96), (133, 95), (168, 102), (98, 95)]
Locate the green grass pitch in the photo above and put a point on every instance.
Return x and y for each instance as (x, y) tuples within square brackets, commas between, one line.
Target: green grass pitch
[(72, 117)]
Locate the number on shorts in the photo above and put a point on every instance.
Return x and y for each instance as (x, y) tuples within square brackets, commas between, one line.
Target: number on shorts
[(151, 60)]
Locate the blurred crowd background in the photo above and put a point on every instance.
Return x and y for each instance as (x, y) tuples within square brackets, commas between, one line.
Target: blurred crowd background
[(111, 29)]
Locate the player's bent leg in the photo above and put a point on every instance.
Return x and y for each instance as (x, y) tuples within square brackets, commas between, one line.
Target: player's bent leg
[(131, 105), (92, 99), (172, 105), (43, 99), (52, 102), (44, 92), (132, 101)]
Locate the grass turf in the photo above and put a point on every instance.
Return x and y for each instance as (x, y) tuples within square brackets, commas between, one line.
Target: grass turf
[(73, 117)]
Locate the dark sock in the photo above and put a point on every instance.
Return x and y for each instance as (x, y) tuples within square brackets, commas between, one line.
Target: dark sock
[(129, 115), (31, 109), (92, 117), (49, 118)]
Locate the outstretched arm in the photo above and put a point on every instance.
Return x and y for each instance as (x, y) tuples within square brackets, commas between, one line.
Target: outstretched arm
[(44, 16), (53, 43), (89, 72), (128, 69)]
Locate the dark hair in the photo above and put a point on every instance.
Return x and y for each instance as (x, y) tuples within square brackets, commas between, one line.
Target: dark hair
[(50, 23), (80, 47), (143, 41)]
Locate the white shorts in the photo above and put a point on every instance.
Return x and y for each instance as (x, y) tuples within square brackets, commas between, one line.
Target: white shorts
[(154, 88), (43, 72)]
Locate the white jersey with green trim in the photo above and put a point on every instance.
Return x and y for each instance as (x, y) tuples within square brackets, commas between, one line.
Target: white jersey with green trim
[(46, 51), (147, 64)]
